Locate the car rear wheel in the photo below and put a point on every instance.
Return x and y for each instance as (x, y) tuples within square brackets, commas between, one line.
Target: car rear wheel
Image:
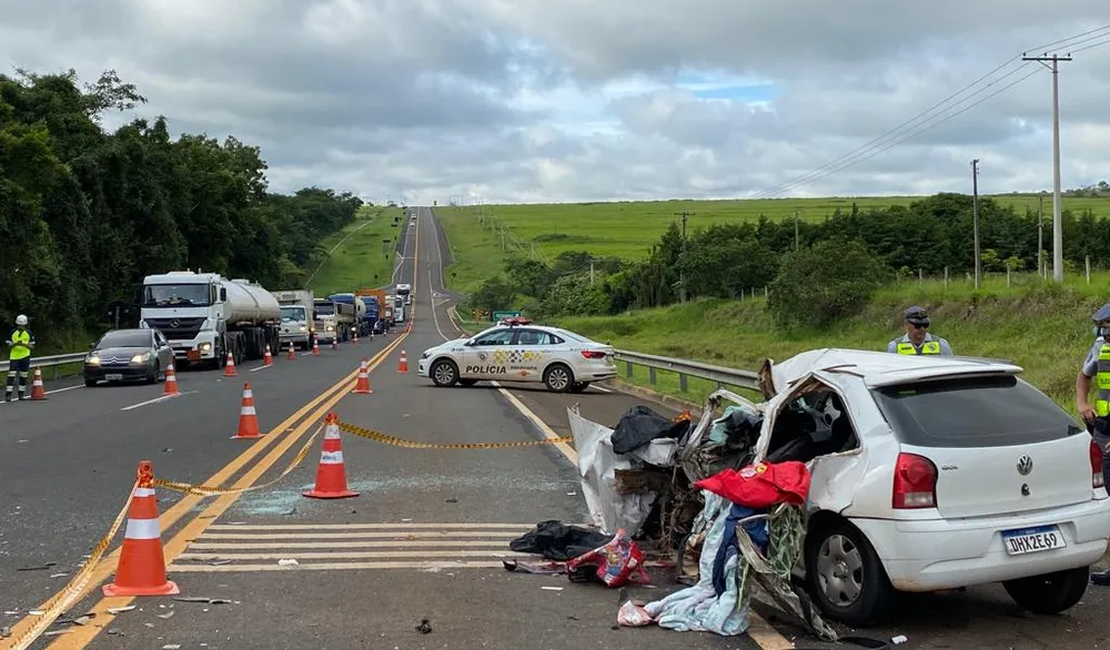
[(844, 575), (558, 378), (445, 373), (1050, 593)]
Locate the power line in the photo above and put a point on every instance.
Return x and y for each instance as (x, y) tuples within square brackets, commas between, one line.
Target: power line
[(881, 143), (922, 128)]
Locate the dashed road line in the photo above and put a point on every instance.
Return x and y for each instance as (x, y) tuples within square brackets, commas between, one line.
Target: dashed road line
[(156, 400)]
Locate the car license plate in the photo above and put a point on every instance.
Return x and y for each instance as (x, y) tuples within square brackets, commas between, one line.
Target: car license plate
[(113, 377), (1033, 540)]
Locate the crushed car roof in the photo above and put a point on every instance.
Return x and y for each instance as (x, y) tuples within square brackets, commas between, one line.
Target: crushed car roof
[(880, 368)]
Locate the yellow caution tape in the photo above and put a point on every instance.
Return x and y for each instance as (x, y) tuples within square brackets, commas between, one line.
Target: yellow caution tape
[(216, 490), (378, 436), (65, 598)]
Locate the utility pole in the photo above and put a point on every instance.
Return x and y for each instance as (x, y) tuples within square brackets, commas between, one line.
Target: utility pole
[(975, 214), (681, 275), (1040, 237), (591, 272), (796, 244), (1057, 220)]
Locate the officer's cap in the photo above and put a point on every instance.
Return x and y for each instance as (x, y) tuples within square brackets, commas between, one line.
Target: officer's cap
[(916, 315), (1103, 314)]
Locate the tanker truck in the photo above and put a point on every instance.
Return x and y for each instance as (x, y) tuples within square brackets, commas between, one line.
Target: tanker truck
[(205, 316), (333, 320)]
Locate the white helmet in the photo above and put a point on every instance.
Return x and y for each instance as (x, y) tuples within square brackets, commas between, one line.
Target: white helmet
[(21, 320)]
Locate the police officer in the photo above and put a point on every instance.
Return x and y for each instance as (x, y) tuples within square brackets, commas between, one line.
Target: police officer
[(20, 343), (917, 339), (1096, 366)]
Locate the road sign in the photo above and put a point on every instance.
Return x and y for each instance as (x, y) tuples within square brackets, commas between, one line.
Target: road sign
[(498, 315)]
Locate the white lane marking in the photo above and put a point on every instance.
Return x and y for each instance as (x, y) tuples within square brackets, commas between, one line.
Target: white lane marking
[(62, 390), (435, 316), (547, 431), (156, 400), (601, 389), (259, 368)]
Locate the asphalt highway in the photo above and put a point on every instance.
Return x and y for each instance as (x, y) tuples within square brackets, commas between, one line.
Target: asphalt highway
[(422, 540)]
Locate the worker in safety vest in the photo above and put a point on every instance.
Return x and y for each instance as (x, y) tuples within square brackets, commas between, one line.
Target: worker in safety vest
[(20, 343), (1097, 416), (917, 339)]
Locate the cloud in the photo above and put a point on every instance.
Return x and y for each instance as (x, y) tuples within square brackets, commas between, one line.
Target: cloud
[(532, 100)]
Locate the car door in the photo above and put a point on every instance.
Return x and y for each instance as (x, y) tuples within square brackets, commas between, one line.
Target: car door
[(488, 356), (532, 351), (163, 350)]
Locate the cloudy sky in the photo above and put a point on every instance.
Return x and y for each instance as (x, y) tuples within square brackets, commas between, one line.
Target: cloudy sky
[(561, 100)]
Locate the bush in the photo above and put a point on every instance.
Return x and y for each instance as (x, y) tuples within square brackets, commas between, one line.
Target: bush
[(495, 294), (816, 286)]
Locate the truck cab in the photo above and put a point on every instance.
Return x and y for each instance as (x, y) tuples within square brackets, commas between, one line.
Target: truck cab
[(296, 327), (404, 291), (205, 316)]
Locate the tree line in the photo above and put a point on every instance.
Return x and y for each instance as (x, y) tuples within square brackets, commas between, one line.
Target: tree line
[(86, 213), (821, 270)]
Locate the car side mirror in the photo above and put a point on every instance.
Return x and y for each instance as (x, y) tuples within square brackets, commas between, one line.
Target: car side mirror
[(92, 346)]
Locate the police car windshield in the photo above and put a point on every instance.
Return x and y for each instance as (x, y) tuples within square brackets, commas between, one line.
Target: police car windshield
[(176, 295)]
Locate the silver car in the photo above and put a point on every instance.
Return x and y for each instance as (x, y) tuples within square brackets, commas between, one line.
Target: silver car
[(562, 360), (128, 355)]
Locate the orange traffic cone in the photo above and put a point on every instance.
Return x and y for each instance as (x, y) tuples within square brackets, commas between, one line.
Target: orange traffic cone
[(248, 418), (356, 339), (38, 391), (315, 348), (404, 365), (142, 566), (268, 358), (229, 369), (331, 475), (170, 389), (292, 356), (362, 385)]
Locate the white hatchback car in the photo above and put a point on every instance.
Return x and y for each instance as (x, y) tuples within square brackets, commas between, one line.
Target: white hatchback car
[(562, 360), (932, 473)]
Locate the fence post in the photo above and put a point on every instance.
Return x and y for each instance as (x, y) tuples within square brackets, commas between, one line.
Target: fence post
[(651, 375), (1007, 276), (1088, 269), (920, 279), (682, 382), (628, 369), (946, 277)]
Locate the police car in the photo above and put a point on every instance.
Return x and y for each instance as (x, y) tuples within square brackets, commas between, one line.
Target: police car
[(517, 351)]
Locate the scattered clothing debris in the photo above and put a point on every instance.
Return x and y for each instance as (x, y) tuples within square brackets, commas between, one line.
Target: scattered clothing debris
[(633, 614), (557, 541), (640, 425)]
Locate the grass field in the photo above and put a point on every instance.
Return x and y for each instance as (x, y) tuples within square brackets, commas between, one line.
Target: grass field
[(1044, 328), (629, 229), (362, 259)]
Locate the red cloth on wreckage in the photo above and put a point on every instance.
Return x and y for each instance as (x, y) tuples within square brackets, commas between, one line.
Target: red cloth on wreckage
[(761, 485)]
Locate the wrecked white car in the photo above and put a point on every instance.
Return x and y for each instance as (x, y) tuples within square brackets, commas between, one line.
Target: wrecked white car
[(927, 473)]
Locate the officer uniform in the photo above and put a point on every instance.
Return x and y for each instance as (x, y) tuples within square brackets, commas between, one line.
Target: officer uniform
[(19, 358), (931, 345)]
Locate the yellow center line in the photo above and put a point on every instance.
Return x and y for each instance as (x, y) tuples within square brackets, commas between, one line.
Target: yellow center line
[(82, 636)]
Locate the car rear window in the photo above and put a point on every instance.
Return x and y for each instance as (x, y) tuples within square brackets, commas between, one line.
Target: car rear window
[(973, 412)]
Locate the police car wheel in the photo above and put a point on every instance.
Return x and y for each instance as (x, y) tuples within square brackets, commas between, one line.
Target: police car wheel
[(558, 378), (444, 373)]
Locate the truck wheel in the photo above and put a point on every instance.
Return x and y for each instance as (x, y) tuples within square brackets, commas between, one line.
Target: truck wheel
[(444, 373)]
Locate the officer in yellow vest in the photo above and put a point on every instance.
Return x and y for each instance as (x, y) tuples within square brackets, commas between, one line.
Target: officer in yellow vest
[(917, 339), (20, 343), (1097, 366)]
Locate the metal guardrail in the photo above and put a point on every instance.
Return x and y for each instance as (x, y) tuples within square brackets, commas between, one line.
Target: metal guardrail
[(685, 369), (52, 361)]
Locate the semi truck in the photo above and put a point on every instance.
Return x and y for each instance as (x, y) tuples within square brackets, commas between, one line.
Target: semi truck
[(206, 316), (358, 325), (375, 308), (398, 308), (297, 326), (404, 291), (333, 320)]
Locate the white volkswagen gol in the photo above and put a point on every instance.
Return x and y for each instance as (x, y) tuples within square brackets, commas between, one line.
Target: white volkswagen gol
[(932, 473), (561, 360)]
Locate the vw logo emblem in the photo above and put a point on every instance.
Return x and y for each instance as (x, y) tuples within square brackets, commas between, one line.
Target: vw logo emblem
[(175, 323), (1025, 465)]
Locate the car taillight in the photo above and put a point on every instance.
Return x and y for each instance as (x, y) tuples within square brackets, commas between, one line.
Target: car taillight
[(593, 354), (915, 482), (1097, 479)]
